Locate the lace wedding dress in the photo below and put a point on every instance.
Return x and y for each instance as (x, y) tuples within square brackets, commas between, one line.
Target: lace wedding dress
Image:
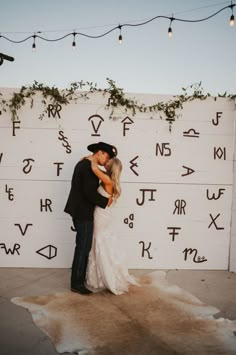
[(106, 268)]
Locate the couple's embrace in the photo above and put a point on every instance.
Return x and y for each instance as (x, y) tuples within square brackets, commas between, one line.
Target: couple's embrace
[(97, 263)]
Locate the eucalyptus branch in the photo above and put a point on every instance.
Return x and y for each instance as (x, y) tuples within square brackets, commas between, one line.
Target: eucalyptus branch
[(82, 90)]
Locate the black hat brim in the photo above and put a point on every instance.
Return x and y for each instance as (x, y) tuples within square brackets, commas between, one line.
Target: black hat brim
[(108, 148)]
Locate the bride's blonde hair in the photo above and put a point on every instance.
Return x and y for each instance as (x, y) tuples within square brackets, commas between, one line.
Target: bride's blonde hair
[(114, 171)]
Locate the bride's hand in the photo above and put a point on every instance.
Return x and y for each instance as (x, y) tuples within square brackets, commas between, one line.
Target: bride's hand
[(94, 165), (110, 200), (89, 157)]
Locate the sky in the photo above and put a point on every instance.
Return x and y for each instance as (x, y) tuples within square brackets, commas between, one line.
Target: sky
[(147, 61)]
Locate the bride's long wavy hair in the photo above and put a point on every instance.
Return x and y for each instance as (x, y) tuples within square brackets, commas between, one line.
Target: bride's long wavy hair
[(114, 171)]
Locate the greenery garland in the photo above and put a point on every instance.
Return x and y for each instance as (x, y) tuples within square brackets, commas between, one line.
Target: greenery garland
[(117, 96)]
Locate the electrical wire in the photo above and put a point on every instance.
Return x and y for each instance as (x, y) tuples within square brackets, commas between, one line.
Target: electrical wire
[(119, 27)]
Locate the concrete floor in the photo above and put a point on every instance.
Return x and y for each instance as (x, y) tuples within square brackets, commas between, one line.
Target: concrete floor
[(19, 335)]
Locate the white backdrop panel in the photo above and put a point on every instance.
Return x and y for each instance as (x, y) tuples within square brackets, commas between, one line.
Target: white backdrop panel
[(175, 209)]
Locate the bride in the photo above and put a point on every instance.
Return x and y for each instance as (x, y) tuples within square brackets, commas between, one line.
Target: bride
[(106, 267)]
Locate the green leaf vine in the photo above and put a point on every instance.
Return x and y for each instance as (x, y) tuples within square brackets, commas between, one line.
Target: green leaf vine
[(118, 99)]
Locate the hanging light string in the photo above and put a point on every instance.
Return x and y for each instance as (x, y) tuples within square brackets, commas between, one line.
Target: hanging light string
[(120, 35), (231, 21), (74, 33)]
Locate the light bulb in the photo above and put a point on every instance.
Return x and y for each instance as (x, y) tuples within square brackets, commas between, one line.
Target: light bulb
[(169, 32), (120, 39), (34, 45), (74, 43), (231, 21), (170, 29)]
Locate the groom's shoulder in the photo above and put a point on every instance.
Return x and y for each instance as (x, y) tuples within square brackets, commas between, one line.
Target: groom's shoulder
[(83, 164)]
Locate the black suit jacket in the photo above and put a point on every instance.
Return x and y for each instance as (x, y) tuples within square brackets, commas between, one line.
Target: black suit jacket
[(83, 195)]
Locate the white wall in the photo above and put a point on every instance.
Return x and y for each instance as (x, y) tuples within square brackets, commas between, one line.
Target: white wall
[(154, 187), (232, 264)]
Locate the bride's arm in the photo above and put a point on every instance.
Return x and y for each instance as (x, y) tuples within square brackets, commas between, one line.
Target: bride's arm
[(100, 174)]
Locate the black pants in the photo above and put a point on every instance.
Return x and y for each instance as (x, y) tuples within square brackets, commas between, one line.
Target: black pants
[(84, 237)]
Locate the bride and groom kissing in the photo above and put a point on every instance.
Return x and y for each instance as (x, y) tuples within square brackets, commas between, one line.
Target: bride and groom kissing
[(97, 263)]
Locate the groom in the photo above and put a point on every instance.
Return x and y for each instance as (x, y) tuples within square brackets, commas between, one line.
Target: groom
[(83, 198)]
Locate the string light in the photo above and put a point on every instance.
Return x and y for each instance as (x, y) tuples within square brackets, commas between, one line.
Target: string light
[(231, 6), (34, 44), (74, 43), (170, 29), (231, 21), (120, 36)]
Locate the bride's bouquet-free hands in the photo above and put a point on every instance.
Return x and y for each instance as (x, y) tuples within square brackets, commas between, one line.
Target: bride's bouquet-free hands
[(94, 165), (104, 178)]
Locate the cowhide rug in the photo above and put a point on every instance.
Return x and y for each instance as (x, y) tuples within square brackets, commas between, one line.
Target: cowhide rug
[(156, 318)]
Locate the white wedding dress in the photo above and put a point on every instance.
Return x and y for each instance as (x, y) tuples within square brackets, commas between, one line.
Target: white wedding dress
[(106, 268)]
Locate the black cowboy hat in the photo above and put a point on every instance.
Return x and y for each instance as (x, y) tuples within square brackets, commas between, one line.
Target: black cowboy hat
[(110, 149)]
